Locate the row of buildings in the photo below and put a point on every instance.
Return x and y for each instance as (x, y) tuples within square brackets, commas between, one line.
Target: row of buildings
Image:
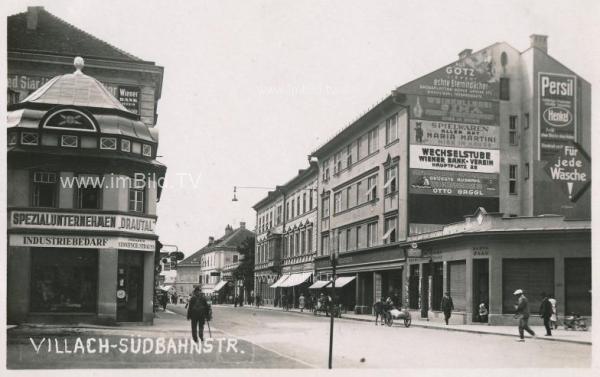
[(472, 179)]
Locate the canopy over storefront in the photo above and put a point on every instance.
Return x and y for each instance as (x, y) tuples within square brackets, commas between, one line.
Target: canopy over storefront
[(296, 279), (219, 285), (343, 280), (281, 279), (320, 284)]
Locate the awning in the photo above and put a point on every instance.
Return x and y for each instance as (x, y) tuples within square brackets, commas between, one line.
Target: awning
[(281, 279), (296, 279), (219, 285), (320, 284), (388, 233), (343, 280)]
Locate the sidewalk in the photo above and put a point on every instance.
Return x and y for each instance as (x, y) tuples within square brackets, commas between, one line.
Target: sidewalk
[(560, 335)]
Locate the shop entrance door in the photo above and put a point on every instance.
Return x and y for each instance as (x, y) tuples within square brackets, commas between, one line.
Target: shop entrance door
[(481, 287), (130, 286)]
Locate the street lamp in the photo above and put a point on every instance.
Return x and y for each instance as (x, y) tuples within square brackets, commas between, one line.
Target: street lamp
[(235, 199), (333, 257)]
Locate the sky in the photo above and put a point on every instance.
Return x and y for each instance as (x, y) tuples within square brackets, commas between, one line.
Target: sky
[(252, 87)]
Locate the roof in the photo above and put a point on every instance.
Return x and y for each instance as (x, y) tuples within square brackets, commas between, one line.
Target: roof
[(232, 240), (52, 35), (288, 186)]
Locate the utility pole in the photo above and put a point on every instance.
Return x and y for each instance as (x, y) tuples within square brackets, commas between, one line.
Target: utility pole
[(333, 259)]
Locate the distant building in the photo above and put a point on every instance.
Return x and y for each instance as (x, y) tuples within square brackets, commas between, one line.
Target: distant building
[(205, 268)]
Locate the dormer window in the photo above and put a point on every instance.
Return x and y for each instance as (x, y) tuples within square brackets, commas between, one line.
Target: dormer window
[(125, 145), (30, 138), (109, 143), (147, 150), (69, 141)]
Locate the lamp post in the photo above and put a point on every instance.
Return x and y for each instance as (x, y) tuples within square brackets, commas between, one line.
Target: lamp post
[(333, 258)]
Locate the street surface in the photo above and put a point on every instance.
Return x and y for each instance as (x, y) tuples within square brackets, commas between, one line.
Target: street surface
[(250, 338)]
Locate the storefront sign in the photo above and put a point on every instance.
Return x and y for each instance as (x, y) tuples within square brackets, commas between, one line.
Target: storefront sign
[(438, 182), (455, 159), (451, 134), (473, 77), (572, 169), (454, 110), (87, 242), (81, 221), (557, 111), (129, 97)]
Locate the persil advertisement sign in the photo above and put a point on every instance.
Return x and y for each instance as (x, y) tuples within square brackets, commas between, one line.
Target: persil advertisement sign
[(454, 159), (557, 112)]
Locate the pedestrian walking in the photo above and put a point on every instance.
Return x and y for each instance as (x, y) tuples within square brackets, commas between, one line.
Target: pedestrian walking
[(483, 312), (164, 300), (546, 313), (301, 302), (258, 298), (198, 312), (284, 304), (553, 317), (447, 306), (522, 313)]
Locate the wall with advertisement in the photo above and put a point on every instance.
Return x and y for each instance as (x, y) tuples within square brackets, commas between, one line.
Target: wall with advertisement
[(450, 134), (438, 182)]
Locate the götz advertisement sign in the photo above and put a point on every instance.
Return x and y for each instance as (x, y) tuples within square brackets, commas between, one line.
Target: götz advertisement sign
[(557, 111), (450, 134)]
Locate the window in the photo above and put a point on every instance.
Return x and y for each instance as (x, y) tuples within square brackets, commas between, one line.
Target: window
[(147, 150), (278, 217), (527, 170), (526, 126), (373, 142), (303, 202), (303, 242), (504, 88), (136, 197), (88, 197), (360, 193), (337, 162), (292, 208), (350, 196), (125, 145), (289, 214), (337, 202), (325, 244), (360, 237), (349, 155), (512, 130), (108, 143), (349, 240), (291, 245), (341, 236), (325, 207), (12, 138), (235, 258), (325, 168), (390, 180), (298, 205), (372, 188), (391, 129), (44, 189), (512, 179), (69, 141), (371, 234), (362, 147), (297, 247), (390, 230), (310, 199), (309, 240), (29, 138)]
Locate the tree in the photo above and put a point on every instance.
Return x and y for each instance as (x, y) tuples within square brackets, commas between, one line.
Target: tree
[(245, 270)]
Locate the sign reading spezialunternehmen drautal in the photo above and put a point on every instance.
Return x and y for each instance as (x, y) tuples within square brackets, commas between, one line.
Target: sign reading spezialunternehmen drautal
[(572, 169)]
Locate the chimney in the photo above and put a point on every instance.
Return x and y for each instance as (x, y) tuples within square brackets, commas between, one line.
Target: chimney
[(211, 240), (32, 17), (539, 41), (464, 53), (243, 224), (228, 230)]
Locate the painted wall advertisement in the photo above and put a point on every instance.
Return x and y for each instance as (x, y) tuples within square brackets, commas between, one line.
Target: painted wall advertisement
[(571, 169), (455, 159), (450, 134), (473, 77), (438, 182), (557, 112), (129, 96), (454, 110)]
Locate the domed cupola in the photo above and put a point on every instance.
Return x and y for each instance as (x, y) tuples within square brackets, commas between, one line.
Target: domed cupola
[(76, 111)]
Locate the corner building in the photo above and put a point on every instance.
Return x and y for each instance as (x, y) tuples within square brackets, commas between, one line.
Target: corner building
[(485, 136), (82, 176)]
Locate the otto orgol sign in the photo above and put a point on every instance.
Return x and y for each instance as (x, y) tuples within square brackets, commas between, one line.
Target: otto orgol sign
[(572, 169)]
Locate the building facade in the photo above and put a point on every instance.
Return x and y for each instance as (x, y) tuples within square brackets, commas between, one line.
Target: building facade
[(83, 180), (206, 267), (499, 130)]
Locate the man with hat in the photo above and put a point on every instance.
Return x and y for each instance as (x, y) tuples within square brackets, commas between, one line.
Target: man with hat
[(522, 312), (198, 312)]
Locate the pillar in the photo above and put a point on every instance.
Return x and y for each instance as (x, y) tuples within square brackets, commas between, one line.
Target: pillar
[(469, 290), (108, 260), (147, 304), (18, 283), (559, 284), (496, 283)]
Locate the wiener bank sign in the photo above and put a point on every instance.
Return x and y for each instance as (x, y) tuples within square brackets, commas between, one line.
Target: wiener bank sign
[(81, 221)]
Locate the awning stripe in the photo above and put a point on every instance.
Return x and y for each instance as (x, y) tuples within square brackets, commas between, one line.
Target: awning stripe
[(281, 279)]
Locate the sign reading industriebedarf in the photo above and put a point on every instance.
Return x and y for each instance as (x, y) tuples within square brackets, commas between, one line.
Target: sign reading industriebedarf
[(572, 169), (557, 116)]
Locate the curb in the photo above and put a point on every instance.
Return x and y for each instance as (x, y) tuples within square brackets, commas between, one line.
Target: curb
[(430, 327)]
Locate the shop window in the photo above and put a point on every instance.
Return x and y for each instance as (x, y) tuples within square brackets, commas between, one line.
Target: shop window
[(64, 280), (147, 150), (390, 230), (504, 89), (512, 179), (69, 141), (512, 130), (108, 143), (391, 129), (125, 145), (390, 180), (30, 138), (44, 189), (12, 138), (89, 196)]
